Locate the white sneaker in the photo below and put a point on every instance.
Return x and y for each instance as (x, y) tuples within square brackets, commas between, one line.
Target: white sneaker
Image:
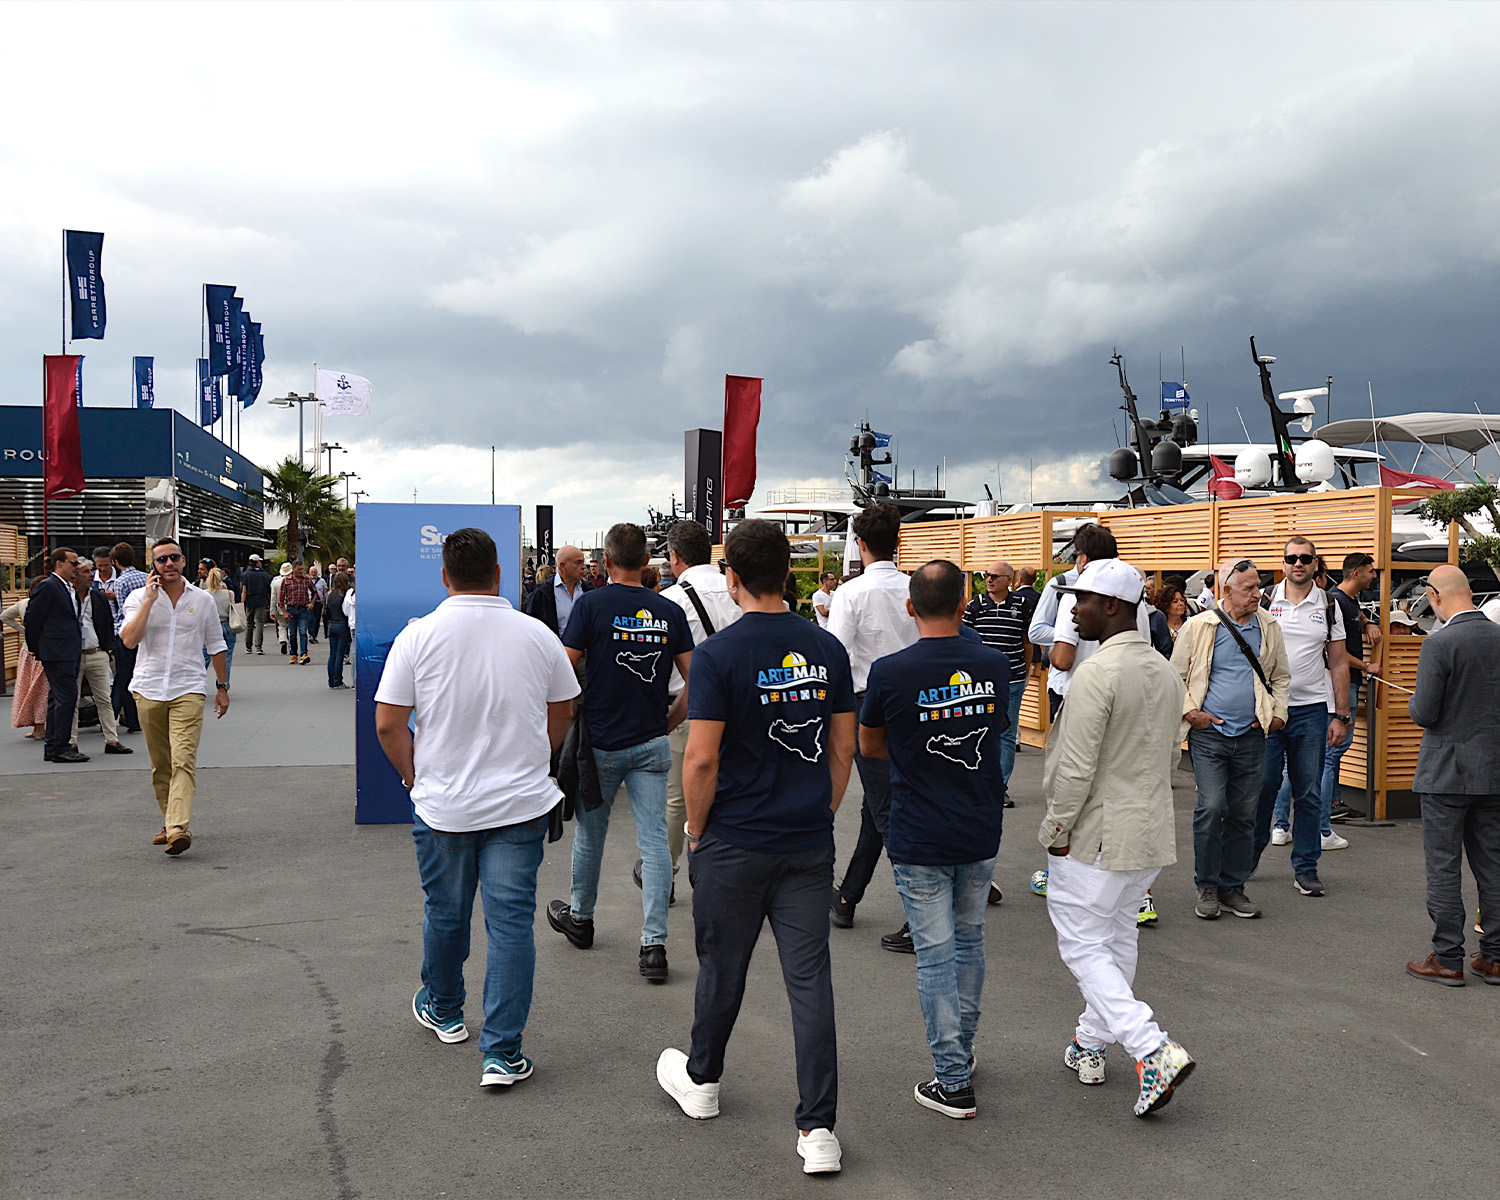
[(1281, 837), (699, 1100), (1332, 841), (820, 1152)]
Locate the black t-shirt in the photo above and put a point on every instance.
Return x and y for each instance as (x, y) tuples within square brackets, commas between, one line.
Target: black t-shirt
[(943, 704), (631, 635), (1354, 640), (775, 680), (257, 584)]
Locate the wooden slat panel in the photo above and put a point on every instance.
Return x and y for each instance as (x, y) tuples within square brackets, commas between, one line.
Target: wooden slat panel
[(1159, 539), (927, 540), (1015, 538), (1338, 523)]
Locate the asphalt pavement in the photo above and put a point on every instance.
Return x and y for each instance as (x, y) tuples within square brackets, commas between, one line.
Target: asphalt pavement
[(237, 1022)]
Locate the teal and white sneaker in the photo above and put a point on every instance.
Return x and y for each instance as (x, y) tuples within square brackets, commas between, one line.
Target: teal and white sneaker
[(448, 1029), (1160, 1072), (500, 1071), (1088, 1063), (1039, 882)]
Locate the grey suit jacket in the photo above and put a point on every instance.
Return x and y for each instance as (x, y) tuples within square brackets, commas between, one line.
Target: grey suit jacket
[(1457, 703)]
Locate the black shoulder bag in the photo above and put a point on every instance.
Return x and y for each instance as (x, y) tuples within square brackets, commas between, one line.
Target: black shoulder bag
[(698, 604), (1239, 639)]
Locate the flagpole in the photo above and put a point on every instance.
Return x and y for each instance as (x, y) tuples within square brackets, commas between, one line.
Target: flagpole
[(65, 293), (45, 544)]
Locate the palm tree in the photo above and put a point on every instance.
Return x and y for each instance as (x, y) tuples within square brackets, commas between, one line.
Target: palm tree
[(304, 495)]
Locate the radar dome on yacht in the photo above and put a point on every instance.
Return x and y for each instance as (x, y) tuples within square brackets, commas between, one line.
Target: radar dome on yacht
[(1252, 468), (1315, 462)]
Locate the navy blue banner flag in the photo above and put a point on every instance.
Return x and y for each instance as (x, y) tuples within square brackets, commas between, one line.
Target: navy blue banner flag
[(239, 349), (219, 300), (80, 381), (257, 360), (1174, 395), (882, 439), (85, 284), (210, 404), (145, 380)]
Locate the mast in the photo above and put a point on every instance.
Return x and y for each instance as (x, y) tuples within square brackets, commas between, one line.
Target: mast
[(1280, 427)]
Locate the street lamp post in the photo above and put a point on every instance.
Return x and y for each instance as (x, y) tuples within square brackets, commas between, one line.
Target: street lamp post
[(331, 447), (301, 402), (360, 492), (346, 476)]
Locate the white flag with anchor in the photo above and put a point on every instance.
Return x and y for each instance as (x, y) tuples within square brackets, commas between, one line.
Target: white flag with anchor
[(344, 394)]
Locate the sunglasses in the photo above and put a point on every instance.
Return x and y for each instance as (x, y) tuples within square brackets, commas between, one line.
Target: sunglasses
[(168, 558), (992, 575), (1305, 560)]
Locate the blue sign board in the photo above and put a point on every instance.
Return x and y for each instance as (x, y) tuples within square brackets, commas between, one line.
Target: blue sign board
[(399, 553), (131, 443)]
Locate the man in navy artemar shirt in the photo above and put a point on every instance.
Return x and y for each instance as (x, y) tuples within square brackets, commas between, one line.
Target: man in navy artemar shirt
[(632, 638), (770, 744), (938, 710)]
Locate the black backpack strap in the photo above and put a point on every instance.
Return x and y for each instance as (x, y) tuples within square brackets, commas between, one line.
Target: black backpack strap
[(1248, 653), (698, 604)]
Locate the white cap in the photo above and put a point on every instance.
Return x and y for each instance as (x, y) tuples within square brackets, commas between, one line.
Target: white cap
[(1110, 577)]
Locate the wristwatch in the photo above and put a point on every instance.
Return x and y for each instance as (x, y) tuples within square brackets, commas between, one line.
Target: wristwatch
[(1342, 718), (689, 834), (223, 687)]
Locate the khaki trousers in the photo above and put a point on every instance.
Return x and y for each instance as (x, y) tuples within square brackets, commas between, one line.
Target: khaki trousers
[(172, 729), (94, 666), (676, 805)]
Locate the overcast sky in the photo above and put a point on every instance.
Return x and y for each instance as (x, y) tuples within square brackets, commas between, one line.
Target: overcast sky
[(555, 228)]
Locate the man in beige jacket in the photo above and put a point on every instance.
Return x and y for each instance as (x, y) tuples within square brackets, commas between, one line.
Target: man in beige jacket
[(1230, 706), (1108, 827)]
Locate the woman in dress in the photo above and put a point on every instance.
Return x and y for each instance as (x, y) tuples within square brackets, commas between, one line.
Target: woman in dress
[(29, 706), (216, 588)]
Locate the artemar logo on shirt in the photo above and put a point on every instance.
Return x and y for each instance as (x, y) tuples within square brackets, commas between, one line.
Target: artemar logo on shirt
[(963, 696), (643, 627), (795, 679)]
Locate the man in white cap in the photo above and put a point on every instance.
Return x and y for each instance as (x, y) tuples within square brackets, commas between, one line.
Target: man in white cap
[(256, 581), (1109, 827)]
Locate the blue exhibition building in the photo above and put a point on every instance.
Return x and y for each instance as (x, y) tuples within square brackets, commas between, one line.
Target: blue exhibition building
[(150, 473)]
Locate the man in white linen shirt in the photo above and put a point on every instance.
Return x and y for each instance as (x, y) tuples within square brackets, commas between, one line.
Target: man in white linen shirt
[(492, 691), (170, 623), (689, 548), (869, 616)]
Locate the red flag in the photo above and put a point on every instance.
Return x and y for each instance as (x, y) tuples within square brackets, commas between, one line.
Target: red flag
[(1393, 478), (741, 416), (63, 465), (1223, 484)]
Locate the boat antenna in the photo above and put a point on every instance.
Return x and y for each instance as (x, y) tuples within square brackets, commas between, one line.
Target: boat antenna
[(1115, 427), (1243, 426)]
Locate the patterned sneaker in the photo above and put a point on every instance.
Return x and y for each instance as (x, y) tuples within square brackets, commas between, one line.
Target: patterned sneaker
[(1147, 915), (1088, 1063), (1160, 1072), (1039, 882), (448, 1029), (501, 1070)]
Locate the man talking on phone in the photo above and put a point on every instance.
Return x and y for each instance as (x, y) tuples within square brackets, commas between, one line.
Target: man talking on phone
[(170, 623)]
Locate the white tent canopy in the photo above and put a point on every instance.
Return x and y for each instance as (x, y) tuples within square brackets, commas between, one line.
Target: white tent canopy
[(1453, 431)]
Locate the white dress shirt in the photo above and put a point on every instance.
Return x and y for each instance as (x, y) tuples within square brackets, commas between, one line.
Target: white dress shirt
[(713, 590), (565, 601), (169, 659), (868, 615)]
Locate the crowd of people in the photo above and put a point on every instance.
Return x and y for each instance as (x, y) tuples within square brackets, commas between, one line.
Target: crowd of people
[(95, 633)]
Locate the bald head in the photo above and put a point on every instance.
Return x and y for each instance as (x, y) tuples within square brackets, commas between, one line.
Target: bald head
[(1448, 589), (569, 565), (998, 581)]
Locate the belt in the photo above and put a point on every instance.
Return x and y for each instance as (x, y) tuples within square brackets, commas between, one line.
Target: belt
[(96, 650)]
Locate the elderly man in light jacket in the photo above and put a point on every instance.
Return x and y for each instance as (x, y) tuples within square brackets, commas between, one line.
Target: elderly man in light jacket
[(1108, 827), (1237, 683)]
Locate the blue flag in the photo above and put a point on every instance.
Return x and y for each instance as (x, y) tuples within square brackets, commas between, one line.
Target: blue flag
[(145, 380), (85, 284), (882, 439), (880, 477), (257, 356), (219, 299), (1174, 395), (210, 405), (239, 348), (80, 381)]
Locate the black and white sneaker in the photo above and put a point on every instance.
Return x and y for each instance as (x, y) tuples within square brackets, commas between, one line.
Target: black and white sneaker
[(899, 942), (1342, 812), (958, 1104), (1308, 884)]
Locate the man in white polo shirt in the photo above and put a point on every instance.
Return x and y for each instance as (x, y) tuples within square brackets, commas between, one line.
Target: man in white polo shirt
[(492, 691), (1313, 629)]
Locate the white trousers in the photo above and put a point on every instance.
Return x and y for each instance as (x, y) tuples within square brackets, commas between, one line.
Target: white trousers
[(1094, 912)]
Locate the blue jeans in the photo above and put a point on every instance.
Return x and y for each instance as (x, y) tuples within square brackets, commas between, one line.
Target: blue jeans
[(299, 622), (945, 910), (1008, 738), (1333, 756), (1283, 813), (1227, 771), (338, 647), (230, 637), (502, 863), (643, 770), (1298, 749)]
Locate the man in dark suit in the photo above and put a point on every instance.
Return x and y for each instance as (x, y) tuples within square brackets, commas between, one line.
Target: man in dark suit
[(55, 635), (98, 629), (551, 603), (1457, 703)]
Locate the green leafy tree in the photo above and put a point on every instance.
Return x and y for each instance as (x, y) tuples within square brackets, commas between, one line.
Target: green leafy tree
[(1459, 505), (306, 497)]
